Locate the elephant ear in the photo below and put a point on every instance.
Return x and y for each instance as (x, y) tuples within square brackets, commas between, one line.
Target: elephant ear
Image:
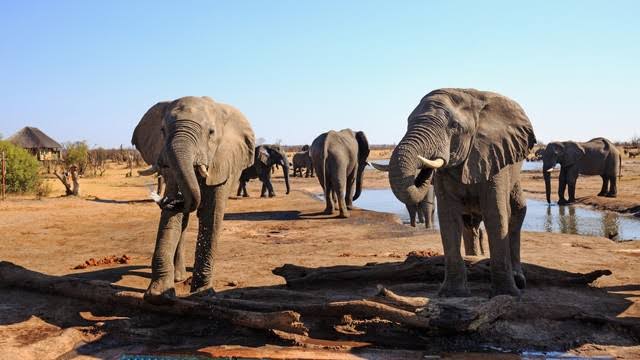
[(262, 155), (503, 136), (236, 148), (363, 146), (572, 152), (148, 137)]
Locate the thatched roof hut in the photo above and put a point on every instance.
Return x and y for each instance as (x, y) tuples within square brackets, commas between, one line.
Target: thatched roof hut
[(38, 143)]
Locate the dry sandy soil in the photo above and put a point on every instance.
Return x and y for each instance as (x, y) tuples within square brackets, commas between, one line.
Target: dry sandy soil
[(114, 217)]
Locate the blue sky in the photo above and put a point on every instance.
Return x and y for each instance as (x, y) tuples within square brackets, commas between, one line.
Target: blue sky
[(88, 70)]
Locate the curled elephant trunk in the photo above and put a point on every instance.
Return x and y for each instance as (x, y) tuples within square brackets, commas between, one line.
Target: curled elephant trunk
[(547, 185), (408, 187), (182, 157)]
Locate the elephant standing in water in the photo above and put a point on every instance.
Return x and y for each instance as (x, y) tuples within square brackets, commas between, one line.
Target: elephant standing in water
[(472, 233), (302, 160), (597, 156), (477, 141), (266, 156), (339, 158), (205, 146)]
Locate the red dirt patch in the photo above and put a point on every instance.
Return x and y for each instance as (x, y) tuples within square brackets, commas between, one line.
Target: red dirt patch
[(109, 260)]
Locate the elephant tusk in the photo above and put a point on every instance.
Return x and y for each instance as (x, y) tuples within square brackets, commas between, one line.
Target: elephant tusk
[(380, 167), (150, 171), (203, 171), (431, 164), (550, 170)]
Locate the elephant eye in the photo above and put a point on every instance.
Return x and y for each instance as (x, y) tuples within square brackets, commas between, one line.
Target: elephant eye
[(211, 132)]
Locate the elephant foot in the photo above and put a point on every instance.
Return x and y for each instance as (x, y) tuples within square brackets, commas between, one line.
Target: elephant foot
[(245, 195), (602, 193), (204, 291), (349, 207), (344, 215), (272, 195), (611, 195), (505, 290), (520, 279), (448, 289), (180, 275), (263, 195), (563, 202), (159, 293)]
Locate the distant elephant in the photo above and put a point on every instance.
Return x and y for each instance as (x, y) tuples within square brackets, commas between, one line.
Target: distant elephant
[(339, 158), (302, 160), (266, 156), (477, 141), (206, 145), (597, 156), (472, 234), (632, 153)]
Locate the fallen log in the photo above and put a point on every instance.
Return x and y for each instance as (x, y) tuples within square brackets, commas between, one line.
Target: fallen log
[(422, 269), (103, 292)]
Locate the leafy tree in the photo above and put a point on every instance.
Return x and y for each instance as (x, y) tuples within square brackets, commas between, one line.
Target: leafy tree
[(77, 153), (22, 169)]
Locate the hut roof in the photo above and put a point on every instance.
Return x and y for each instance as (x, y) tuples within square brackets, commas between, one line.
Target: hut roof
[(31, 137)]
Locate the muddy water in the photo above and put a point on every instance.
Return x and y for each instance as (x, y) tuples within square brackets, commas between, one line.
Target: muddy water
[(540, 217)]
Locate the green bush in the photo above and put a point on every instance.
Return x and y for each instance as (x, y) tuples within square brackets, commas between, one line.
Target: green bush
[(22, 169)]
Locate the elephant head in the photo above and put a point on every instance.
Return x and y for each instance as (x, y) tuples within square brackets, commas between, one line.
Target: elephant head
[(363, 154), (468, 133), (199, 140), (270, 155), (565, 153)]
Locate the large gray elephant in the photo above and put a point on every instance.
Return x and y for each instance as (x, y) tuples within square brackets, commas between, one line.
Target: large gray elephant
[(339, 158), (477, 141), (205, 146), (302, 160), (266, 157), (597, 156), (472, 233)]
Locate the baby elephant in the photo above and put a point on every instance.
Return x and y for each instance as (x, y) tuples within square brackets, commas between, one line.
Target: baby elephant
[(302, 160), (339, 158)]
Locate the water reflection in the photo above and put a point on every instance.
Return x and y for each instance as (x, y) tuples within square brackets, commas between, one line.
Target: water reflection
[(540, 217)]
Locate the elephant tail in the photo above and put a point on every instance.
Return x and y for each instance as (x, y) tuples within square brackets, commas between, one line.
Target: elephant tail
[(325, 152)]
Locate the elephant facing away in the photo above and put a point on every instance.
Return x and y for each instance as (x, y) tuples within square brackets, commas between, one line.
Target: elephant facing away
[(597, 156), (477, 141), (266, 157), (302, 160), (204, 146), (339, 158), (472, 233)]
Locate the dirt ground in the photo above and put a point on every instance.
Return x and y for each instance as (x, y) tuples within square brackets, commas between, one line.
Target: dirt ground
[(115, 221)]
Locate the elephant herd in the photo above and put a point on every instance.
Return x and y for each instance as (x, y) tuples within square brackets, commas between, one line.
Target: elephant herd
[(465, 147)]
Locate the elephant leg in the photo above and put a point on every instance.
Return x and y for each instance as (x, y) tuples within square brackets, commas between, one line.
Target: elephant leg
[(450, 219), (412, 214), (605, 185), (180, 270), (495, 203), (328, 197), (518, 213), (562, 185), (339, 182), (263, 191), (161, 289), (470, 236), (422, 212), (613, 190), (349, 192), (266, 181), (211, 216), (239, 192), (572, 179)]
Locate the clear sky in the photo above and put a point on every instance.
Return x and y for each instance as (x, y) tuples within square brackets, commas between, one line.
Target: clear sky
[(88, 70)]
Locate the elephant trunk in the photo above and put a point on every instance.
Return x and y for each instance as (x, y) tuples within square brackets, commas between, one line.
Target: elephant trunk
[(359, 177), (420, 140), (547, 185), (285, 172), (182, 158)]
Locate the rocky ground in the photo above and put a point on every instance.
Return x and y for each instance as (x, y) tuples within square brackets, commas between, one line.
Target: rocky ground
[(109, 232)]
